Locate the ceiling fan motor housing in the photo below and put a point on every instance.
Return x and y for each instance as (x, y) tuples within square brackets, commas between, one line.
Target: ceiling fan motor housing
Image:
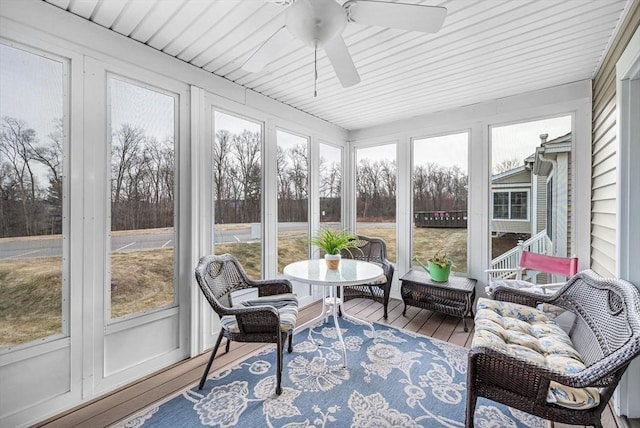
[(315, 22)]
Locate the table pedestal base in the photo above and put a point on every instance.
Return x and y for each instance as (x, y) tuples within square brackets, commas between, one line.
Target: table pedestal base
[(330, 306)]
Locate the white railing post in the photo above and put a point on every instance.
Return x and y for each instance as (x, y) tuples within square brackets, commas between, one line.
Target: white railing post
[(511, 258)]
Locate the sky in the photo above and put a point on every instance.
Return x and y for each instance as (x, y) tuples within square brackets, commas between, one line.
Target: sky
[(515, 141), (142, 108), (520, 140), (45, 89)]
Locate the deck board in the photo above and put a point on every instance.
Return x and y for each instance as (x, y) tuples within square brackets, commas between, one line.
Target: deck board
[(118, 405)]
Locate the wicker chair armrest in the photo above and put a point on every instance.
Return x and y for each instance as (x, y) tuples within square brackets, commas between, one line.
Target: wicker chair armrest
[(270, 287), (388, 269), (513, 295), (241, 310)]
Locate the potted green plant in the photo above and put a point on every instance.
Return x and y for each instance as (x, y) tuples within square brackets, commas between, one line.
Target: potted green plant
[(332, 242), (439, 266)]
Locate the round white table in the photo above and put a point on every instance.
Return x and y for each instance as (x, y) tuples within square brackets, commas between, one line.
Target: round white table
[(350, 272)]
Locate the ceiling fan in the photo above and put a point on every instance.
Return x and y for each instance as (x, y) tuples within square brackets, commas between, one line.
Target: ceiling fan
[(320, 23)]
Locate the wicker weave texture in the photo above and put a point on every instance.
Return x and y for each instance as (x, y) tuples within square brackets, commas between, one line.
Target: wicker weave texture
[(373, 250), (218, 278), (606, 333)]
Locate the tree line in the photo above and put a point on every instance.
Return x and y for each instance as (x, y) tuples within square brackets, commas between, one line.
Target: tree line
[(30, 179), (143, 181), (238, 179)]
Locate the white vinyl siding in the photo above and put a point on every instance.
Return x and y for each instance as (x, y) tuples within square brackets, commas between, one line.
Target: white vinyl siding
[(604, 152)]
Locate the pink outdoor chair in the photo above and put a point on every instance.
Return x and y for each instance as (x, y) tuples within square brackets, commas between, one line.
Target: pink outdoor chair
[(513, 278)]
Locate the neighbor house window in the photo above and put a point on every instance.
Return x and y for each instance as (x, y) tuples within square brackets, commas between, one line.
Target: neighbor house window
[(511, 205)]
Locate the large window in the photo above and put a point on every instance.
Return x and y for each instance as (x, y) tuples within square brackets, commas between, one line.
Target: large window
[(440, 195), (527, 207), (330, 185), (143, 130), (237, 188), (293, 198), (376, 181), (33, 283), (511, 205)]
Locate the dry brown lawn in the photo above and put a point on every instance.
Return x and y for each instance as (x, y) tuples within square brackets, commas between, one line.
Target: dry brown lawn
[(31, 297)]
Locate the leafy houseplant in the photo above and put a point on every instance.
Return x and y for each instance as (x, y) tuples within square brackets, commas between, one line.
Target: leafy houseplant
[(439, 266), (332, 242)]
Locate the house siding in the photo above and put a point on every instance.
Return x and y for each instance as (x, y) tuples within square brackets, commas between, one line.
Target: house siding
[(570, 213), (604, 151), (541, 203)]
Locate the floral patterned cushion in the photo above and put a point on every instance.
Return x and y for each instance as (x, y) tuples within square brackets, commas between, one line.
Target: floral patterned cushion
[(286, 304), (529, 334)]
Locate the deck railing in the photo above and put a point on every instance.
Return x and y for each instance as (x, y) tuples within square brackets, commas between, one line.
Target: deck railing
[(440, 219), (510, 259)]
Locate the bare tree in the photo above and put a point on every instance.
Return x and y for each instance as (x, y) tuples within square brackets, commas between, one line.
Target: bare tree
[(124, 151), (221, 173), (507, 165), (247, 150), (16, 150)]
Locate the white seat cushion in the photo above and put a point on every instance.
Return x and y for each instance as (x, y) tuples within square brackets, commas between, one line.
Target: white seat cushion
[(286, 304), (528, 334)]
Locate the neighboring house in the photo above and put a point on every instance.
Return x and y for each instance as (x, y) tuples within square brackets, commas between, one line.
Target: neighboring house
[(535, 197)]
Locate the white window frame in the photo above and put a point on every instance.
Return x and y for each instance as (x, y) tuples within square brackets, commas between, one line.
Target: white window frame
[(57, 340), (109, 320), (510, 191)]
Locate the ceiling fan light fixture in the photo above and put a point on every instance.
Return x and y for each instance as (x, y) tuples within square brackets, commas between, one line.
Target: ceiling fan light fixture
[(315, 22)]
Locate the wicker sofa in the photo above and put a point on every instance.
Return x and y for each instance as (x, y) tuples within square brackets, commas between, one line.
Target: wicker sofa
[(513, 344)]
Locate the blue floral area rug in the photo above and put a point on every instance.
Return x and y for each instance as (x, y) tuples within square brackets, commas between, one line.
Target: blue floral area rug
[(395, 379)]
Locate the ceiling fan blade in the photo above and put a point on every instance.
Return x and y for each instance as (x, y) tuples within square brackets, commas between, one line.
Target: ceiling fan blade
[(342, 62), (411, 17), (268, 50)]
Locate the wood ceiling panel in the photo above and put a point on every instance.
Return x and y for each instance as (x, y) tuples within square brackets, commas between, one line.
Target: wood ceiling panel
[(107, 12), (62, 4), (231, 31), (183, 18), (511, 59), (83, 8), (455, 55), (184, 46), (156, 19), (487, 49), (132, 15), (405, 46)]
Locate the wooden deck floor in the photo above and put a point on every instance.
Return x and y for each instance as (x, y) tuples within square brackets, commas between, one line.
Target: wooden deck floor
[(117, 405)]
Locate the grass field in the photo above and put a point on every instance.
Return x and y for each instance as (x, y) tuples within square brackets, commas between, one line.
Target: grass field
[(31, 297)]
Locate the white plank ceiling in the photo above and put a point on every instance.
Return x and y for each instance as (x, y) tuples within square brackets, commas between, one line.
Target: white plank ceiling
[(487, 49)]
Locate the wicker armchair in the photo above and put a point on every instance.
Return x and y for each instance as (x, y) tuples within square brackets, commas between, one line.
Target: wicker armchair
[(374, 250), (270, 318), (606, 334)]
